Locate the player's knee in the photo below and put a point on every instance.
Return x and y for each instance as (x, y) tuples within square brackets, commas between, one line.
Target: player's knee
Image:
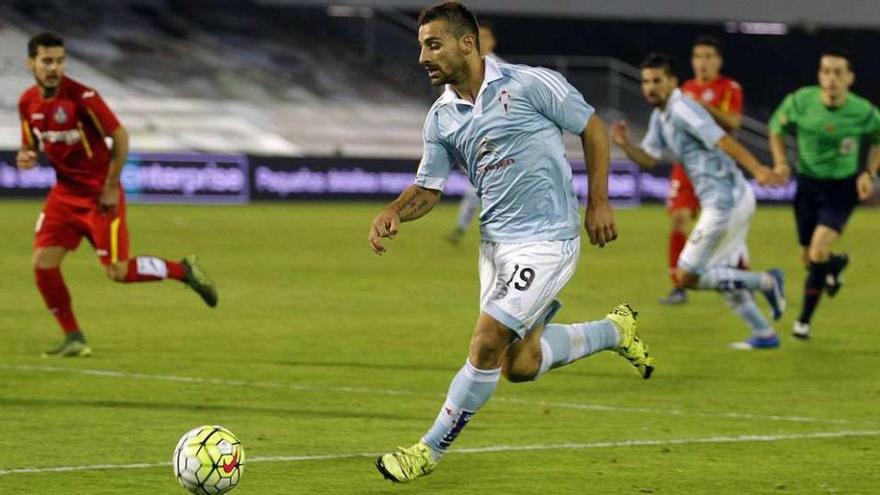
[(818, 254), (43, 260)]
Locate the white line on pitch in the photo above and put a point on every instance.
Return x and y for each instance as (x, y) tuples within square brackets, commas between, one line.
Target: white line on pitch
[(366, 390), (480, 450)]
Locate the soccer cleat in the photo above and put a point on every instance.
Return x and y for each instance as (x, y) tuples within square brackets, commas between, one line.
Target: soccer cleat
[(800, 331), (833, 283), (769, 342), (198, 280), (406, 465), (676, 296), (73, 345), (776, 295), (630, 346)]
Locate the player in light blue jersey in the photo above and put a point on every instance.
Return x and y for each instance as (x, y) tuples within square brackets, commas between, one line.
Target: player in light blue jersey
[(682, 127), (503, 124)]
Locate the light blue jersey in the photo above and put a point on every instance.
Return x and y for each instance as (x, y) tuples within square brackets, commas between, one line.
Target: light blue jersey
[(688, 131), (510, 144)]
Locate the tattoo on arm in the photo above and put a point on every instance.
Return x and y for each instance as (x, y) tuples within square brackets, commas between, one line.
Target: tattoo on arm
[(415, 202)]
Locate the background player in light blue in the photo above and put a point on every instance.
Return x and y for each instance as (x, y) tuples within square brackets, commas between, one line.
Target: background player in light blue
[(684, 128), (503, 124)]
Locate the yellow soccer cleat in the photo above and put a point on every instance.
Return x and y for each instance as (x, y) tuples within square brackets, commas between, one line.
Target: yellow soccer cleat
[(631, 347), (406, 465)]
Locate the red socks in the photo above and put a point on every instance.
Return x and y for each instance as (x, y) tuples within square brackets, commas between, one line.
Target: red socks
[(151, 268), (677, 240), (57, 298)]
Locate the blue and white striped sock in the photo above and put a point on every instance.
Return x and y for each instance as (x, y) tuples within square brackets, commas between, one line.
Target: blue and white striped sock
[(564, 344), (725, 278), (743, 303), (469, 390)]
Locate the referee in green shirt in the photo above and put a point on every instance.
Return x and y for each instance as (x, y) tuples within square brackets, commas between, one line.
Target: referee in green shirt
[(830, 124)]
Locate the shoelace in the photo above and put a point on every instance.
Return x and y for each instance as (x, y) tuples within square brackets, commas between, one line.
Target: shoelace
[(407, 461)]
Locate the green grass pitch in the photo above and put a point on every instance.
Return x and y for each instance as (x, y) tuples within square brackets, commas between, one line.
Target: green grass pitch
[(320, 348)]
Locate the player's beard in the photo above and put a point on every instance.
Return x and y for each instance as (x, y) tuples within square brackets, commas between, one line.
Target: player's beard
[(48, 88), (456, 75), (654, 100)]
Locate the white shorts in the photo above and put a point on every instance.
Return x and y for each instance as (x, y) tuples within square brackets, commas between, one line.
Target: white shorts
[(518, 282), (719, 238)]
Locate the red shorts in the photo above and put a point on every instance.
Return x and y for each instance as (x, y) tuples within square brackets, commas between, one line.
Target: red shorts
[(66, 219), (681, 191)]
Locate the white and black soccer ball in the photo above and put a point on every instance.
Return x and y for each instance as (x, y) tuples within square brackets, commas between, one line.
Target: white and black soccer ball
[(208, 460)]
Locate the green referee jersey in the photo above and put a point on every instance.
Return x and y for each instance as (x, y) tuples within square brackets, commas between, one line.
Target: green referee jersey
[(827, 139)]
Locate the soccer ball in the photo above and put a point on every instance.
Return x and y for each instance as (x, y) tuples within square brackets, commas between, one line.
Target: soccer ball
[(208, 460)]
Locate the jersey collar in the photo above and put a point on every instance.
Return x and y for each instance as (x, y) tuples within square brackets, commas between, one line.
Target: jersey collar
[(491, 73), (673, 97)]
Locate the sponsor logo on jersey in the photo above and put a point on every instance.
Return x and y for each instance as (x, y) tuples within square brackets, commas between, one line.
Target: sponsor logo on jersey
[(70, 137), (708, 95), (37, 116), (487, 155), (88, 94), (60, 115)]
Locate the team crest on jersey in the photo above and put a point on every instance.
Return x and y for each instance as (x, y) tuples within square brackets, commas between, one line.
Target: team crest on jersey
[(708, 95), (504, 98), (500, 291), (60, 115), (829, 128), (485, 149)]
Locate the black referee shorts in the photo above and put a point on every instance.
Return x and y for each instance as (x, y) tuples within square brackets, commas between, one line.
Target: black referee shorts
[(828, 202)]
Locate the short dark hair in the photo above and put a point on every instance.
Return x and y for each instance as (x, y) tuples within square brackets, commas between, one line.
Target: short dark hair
[(43, 39), (709, 40), (839, 53), (659, 61), (459, 17)]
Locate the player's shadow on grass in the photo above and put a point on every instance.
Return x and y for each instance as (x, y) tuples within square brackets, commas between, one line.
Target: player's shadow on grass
[(453, 367), (347, 413)]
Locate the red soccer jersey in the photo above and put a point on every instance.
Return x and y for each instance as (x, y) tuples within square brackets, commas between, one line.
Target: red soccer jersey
[(71, 126), (723, 93)]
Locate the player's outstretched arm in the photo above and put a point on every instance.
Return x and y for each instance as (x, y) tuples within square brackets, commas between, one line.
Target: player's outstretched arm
[(865, 181), (620, 137), (780, 161), (599, 219), (414, 202), (109, 199), (763, 174)]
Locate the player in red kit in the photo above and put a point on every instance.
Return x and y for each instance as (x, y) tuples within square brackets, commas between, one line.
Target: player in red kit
[(69, 122), (722, 97)]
